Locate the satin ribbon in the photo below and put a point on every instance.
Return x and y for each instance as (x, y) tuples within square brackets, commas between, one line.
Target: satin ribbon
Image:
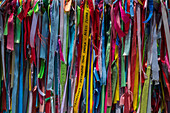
[(108, 46), (102, 99), (30, 88), (56, 80), (88, 79), (18, 27), (44, 37), (64, 94), (116, 17), (91, 80), (127, 42), (70, 55), (109, 84), (145, 90), (73, 78), (26, 87), (150, 11), (16, 74), (133, 52), (65, 38), (62, 21), (53, 42), (83, 55), (1, 26), (20, 102), (136, 81), (33, 30), (116, 95), (8, 67), (155, 67), (3, 61), (63, 69), (10, 36), (103, 80), (126, 99), (123, 77), (166, 28), (149, 98), (38, 57), (26, 7), (80, 37), (114, 81)]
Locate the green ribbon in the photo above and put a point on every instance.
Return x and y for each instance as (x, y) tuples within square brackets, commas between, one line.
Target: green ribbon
[(18, 27), (102, 98), (145, 91), (114, 81), (42, 68), (78, 15), (6, 28), (35, 9), (108, 46), (123, 81)]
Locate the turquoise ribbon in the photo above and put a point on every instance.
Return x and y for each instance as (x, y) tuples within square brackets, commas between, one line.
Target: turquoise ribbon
[(44, 37), (57, 72), (72, 34), (20, 103)]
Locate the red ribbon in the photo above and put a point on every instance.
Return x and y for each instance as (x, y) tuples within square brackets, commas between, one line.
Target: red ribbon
[(23, 13), (133, 52)]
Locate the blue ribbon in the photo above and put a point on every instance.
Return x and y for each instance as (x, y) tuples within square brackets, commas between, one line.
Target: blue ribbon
[(16, 73), (131, 8), (45, 30), (150, 11), (53, 41), (20, 108), (126, 7), (115, 2), (7, 80), (103, 79)]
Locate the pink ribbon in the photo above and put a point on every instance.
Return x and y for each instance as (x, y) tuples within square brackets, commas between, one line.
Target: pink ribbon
[(61, 54), (10, 37)]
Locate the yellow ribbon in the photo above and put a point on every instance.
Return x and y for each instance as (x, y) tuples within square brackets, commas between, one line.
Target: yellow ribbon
[(145, 91), (30, 78), (135, 92), (87, 85), (86, 22), (116, 98), (91, 85)]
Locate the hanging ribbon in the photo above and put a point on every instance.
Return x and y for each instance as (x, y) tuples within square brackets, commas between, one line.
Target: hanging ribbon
[(86, 21), (53, 41)]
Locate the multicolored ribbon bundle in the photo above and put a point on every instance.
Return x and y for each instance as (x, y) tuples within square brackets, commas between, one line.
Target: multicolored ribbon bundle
[(76, 56)]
